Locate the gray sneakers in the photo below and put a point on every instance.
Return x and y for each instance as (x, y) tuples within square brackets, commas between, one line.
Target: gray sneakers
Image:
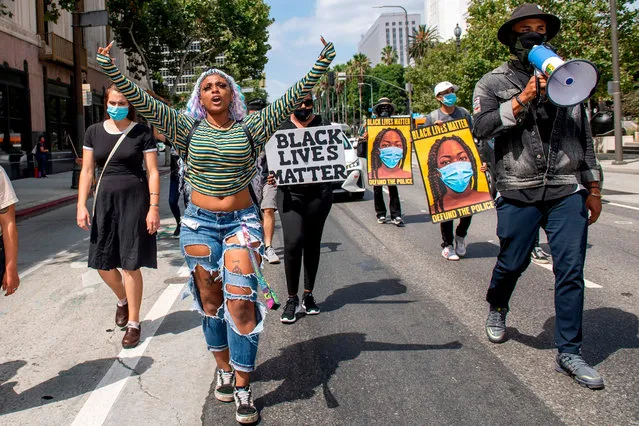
[(496, 324), (573, 365), (270, 255)]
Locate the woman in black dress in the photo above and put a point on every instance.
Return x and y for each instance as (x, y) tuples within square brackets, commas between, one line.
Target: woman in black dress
[(126, 216)]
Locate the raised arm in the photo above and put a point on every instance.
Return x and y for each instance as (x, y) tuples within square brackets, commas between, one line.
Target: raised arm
[(169, 121), (263, 124)]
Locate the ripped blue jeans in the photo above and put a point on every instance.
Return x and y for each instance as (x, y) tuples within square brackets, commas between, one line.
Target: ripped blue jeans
[(212, 229)]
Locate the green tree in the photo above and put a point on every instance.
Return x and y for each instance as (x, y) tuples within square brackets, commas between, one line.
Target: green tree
[(152, 31), (393, 74), (359, 66), (389, 55), (423, 38)]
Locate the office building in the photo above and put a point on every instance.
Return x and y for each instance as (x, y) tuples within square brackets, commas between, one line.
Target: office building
[(446, 15), (388, 30)]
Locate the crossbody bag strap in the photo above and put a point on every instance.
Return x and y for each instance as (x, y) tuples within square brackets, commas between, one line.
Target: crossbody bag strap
[(117, 144), (187, 142)]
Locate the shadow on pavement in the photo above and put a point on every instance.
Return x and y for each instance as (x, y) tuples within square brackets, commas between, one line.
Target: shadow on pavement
[(179, 322), (332, 247), (363, 293), (481, 250), (606, 330), (77, 380), (307, 365), (417, 218)]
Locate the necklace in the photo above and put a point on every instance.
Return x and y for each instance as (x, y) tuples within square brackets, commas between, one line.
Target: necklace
[(223, 126)]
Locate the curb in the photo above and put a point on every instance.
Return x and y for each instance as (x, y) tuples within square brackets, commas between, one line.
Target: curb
[(40, 208), (60, 202)]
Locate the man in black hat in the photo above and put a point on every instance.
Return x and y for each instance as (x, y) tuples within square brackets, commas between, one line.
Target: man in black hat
[(385, 108), (546, 175)]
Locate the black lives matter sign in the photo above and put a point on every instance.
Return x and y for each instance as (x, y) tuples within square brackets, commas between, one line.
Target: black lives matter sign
[(307, 155)]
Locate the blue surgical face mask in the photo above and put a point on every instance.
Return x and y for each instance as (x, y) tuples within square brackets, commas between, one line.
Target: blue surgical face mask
[(118, 112), (457, 175), (391, 156), (449, 99)]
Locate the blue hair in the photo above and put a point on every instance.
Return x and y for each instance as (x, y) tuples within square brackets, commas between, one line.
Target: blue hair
[(237, 109)]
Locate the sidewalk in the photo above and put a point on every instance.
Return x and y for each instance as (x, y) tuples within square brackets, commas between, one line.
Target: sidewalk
[(631, 167), (39, 195)]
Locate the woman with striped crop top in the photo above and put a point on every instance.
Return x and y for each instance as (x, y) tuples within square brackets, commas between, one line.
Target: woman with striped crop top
[(220, 165)]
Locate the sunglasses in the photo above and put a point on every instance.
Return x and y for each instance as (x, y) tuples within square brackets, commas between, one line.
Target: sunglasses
[(307, 102)]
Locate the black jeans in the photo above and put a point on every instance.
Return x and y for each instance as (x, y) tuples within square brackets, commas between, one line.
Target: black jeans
[(174, 197), (394, 204), (565, 221), (303, 212), (461, 231)]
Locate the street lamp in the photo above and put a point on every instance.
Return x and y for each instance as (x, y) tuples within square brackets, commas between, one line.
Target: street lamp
[(458, 32), (616, 87), (406, 17), (371, 86)]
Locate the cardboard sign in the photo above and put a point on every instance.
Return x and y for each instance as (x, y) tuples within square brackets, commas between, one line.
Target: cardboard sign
[(307, 155), (450, 166), (389, 151)]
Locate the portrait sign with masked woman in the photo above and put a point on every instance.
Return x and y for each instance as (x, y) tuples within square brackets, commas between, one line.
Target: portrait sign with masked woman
[(450, 166), (389, 151)]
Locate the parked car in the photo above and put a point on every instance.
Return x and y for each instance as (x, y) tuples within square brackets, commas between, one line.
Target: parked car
[(354, 183)]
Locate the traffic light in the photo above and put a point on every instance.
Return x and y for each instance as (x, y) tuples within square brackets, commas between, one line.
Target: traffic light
[(331, 78)]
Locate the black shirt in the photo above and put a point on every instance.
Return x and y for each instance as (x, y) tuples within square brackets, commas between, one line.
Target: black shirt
[(130, 154)]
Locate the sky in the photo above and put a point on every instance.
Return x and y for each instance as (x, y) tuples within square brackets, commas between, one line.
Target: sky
[(295, 35)]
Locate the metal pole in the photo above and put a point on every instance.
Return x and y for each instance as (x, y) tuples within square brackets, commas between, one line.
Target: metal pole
[(77, 86), (616, 86)]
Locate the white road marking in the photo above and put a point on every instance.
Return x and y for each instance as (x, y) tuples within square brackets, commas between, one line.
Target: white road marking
[(40, 264), (424, 211), (97, 407), (623, 222), (587, 283), (621, 205)]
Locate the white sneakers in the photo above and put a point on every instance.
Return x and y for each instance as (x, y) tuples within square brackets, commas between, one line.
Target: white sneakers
[(451, 253)]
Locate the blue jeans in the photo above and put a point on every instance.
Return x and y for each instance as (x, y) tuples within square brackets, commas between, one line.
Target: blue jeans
[(565, 221), (212, 229)]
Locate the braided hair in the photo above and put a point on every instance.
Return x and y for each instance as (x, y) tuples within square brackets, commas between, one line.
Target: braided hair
[(437, 186), (376, 161)]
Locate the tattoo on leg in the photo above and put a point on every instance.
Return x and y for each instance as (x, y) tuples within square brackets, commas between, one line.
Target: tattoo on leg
[(236, 268), (210, 280)]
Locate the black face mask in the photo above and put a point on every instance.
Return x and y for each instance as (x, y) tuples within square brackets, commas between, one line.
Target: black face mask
[(302, 114), (521, 43)]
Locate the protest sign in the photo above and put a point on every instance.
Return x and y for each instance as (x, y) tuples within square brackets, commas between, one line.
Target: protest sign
[(389, 151), (450, 166), (307, 155)]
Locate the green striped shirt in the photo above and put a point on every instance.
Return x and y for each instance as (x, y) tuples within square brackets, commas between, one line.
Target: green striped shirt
[(219, 162)]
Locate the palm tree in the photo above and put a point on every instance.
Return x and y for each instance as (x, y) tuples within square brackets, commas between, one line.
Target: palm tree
[(389, 55), (360, 64), (422, 39)]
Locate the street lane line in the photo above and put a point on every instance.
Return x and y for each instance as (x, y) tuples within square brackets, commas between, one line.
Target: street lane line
[(97, 407), (608, 203), (587, 283), (30, 270)]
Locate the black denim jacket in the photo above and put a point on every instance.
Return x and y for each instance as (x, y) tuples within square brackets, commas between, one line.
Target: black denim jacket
[(520, 161)]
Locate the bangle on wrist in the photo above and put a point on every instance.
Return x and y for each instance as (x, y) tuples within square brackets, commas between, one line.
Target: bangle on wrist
[(523, 105), (154, 205), (595, 194), (155, 193)]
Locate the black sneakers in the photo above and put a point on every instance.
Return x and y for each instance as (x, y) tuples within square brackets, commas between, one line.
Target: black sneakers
[(292, 308), (496, 324), (224, 382), (309, 305), (245, 411)]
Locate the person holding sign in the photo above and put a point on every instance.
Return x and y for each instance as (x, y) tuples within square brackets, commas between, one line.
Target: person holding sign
[(546, 175), (303, 211), (388, 155), (385, 109), (221, 235), (449, 152)]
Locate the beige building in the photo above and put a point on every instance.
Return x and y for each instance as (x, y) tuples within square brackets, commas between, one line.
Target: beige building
[(36, 84)]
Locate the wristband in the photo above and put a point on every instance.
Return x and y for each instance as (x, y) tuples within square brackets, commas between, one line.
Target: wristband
[(523, 105)]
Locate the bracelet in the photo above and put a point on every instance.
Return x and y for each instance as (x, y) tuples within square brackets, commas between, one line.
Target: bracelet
[(523, 105), (154, 205), (155, 193), (595, 195)]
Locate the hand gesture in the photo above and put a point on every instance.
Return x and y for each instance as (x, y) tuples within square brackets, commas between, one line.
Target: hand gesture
[(105, 50), (329, 50), (83, 218)]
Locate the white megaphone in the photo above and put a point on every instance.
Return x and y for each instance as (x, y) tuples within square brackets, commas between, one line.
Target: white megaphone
[(569, 83)]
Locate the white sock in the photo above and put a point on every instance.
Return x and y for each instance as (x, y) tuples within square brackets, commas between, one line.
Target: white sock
[(122, 302), (134, 324)]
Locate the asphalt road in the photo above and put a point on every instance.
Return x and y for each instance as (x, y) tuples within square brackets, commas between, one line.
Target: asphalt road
[(400, 338)]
